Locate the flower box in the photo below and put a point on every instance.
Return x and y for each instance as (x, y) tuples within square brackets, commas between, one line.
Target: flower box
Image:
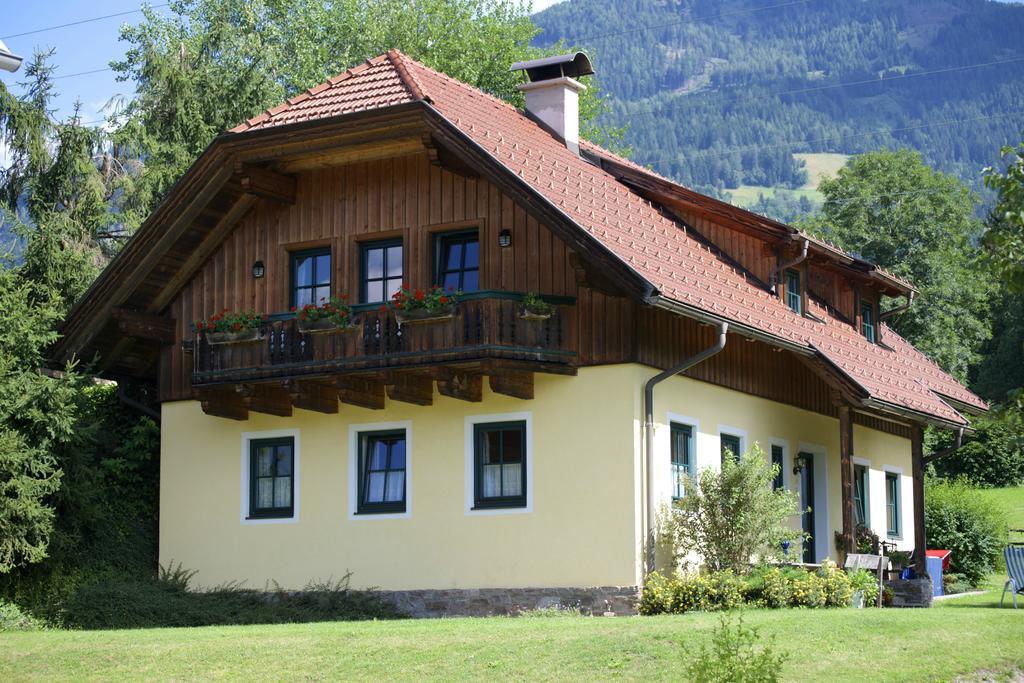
[(240, 337), (423, 315), (324, 326), (527, 314)]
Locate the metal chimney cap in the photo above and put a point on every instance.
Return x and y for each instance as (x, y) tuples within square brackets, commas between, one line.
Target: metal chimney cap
[(573, 65)]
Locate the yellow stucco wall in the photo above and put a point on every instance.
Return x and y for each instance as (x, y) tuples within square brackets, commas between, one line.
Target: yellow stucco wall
[(580, 532), (583, 527), (712, 410)]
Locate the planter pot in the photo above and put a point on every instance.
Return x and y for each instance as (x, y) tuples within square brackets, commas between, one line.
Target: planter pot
[(531, 315), (424, 316), (857, 601), (323, 327), (240, 337)]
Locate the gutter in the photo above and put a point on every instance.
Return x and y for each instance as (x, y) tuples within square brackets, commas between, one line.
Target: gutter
[(686, 364), (777, 273), (899, 309)]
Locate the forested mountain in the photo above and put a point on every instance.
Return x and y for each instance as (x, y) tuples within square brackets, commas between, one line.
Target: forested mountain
[(721, 93)]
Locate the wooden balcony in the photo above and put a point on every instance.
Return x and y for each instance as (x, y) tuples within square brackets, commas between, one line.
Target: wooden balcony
[(486, 335)]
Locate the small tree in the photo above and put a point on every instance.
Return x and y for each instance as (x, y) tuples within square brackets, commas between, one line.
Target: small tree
[(731, 516)]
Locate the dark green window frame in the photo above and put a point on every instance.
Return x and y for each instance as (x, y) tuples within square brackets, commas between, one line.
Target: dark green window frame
[(480, 432), (733, 443), (892, 504), (777, 460), (861, 510), (388, 282), (318, 290), (367, 441), (794, 293), (867, 321), (282, 448), (465, 276), (681, 458)]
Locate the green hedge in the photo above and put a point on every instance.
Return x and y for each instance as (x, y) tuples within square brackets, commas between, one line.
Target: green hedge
[(763, 587), (973, 527)]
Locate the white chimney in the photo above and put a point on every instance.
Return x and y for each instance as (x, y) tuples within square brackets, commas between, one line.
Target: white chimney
[(553, 93)]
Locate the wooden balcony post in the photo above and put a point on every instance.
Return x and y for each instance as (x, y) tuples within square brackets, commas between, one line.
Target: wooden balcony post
[(846, 478), (917, 467)]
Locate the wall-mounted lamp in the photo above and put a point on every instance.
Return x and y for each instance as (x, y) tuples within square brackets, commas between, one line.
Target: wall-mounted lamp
[(258, 270), (505, 239)]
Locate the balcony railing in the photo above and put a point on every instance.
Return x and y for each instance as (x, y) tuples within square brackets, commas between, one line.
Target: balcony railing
[(485, 325)]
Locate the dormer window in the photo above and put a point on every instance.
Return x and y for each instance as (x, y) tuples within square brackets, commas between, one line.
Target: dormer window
[(867, 321), (794, 296)]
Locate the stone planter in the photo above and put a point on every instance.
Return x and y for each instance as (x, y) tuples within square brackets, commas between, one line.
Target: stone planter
[(323, 327), (911, 592), (241, 337), (527, 314), (421, 315)]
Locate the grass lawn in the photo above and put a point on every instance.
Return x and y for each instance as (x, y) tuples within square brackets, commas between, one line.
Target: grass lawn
[(821, 164), (959, 636), (1010, 498), (747, 195)]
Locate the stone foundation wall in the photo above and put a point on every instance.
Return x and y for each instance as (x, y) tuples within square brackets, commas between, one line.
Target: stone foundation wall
[(483, 602)]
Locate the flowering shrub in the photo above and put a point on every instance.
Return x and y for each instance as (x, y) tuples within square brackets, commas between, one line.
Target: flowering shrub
[(335, 309), (533, 303), (433, 299), (230, 322), (867, 583)]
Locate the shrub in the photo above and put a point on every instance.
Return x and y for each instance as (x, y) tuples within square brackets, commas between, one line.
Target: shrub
[(993, 457), (734, 657), (955, 583), (867, 583), (972, 527), (118, 600), (12, 618), (732, 515), (835, 584), (808, 591)]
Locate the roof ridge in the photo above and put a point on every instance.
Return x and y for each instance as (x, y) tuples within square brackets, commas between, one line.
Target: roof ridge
[(307, 93), (409, 80)]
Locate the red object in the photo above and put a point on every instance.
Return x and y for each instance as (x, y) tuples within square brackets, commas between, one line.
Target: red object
[(942, 555)]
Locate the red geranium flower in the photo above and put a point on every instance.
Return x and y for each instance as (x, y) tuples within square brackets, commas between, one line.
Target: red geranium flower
[(419, 295), (443, 299), (236, 326)]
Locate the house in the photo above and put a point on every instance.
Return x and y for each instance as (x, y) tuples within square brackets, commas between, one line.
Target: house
[(482, 460)]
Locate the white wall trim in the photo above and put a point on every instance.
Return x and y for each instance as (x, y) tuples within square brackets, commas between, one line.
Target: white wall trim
[(787, 460), (822, 523), (354, 430), (247, 438), (897, 470), (469, 478), (862, 461), (733, 431)]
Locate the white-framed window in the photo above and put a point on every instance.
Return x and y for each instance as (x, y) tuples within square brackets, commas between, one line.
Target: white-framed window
[(499, 464), (779, 455), (732, 440), (682, 452), (862, 492), (270, 468), (380, 456), (893, 502)]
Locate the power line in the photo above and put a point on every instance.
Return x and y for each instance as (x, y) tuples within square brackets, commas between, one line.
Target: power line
[(81, 21), (641, 29), (83, 73)]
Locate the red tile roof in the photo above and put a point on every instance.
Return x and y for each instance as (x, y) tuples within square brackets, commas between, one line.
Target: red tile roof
[(680, 266)]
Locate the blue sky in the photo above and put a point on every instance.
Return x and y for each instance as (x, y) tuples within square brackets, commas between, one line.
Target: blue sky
[(86, 47)]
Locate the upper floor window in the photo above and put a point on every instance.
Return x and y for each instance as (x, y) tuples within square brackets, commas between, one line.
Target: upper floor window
[(458, 261), (682, 458), (382, 468), (381, 270), (867, 321), (499, 465), (794, 296), (730, 446), (860, 495), (777, 482), (271, 478), (311, 276)]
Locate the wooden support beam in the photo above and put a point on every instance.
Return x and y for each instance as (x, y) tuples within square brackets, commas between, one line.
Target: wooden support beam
[(592, 278), (442, 158), (514, 383), (320, 397), (225, 403), (917, 471), (416, 389), (267, 398), (267, 184), (347, 154), (145, 326), (362, 392), (846, 473), (461, 385)]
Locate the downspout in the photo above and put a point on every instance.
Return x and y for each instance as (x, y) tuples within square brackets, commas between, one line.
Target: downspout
[(781, 269), (957, 445), (899, 309), (696, 359)]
